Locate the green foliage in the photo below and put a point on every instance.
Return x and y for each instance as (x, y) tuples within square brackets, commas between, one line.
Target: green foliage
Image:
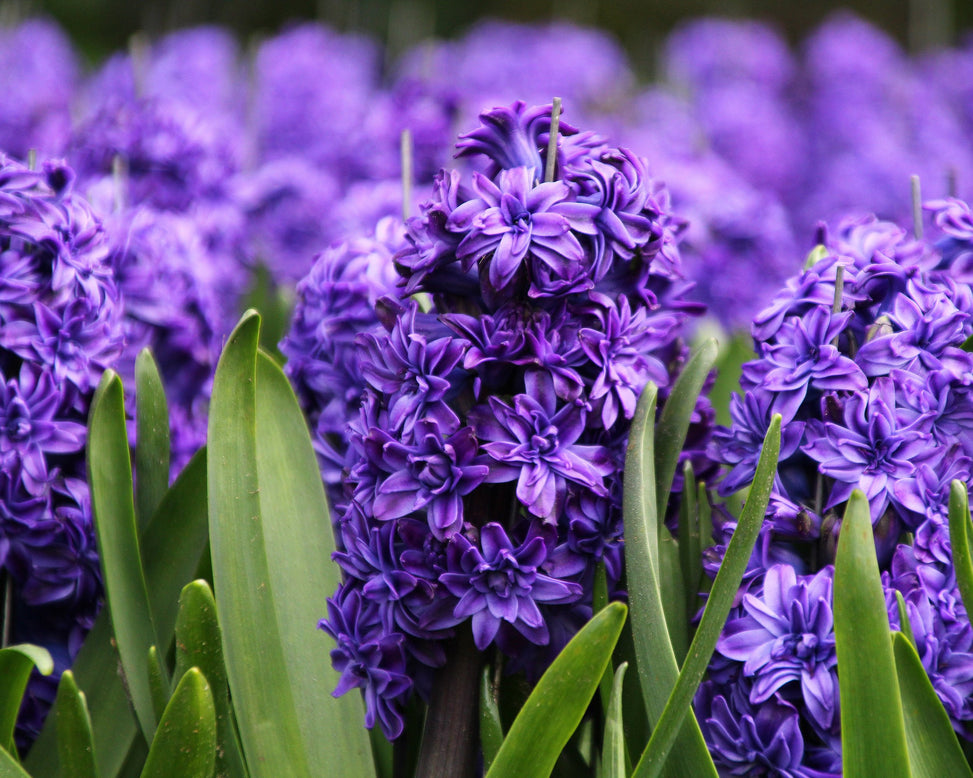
[(75, 741), (152, 433), (613, 761), (933, 748), (873, 729), (16, 664), (654, 655), (113, 503), (185, 742), (718, 604), (555, 706), (270, 536), (251, 680)]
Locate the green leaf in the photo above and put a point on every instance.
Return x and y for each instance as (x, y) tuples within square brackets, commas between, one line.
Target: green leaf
[(655, 659), (872, 726), (185, 743), (690, 547), (255, 661), (299, 543), (557, 703), (151, 437), (75, 743), (491, 729), (172, 545), (613, 744), (905, 625), (599, 600), (157, 681), (10, 767), (16, 664), (200, 644), (718, 604), (933, 748), (959, 536), (113, 505), (271, 539), (670, 432), (670, 435)]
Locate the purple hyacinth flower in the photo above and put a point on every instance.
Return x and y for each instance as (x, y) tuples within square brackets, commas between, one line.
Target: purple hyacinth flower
[(497, 584), (368, 658), (622, 347), (410, 367), (512, 137), (765, 739), (804, 356), (32, 423), (787, 634), (536, 443), (515, 220), (740, 444), (869, 449), (434, 474)]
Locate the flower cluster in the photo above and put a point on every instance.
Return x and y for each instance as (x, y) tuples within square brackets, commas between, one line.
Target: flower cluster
[(60, 326), (864, 356), (490, 401)]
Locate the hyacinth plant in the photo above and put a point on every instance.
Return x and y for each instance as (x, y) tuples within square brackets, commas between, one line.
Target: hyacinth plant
[(482, 435), (864, 355), (505, 335), (226, 683)]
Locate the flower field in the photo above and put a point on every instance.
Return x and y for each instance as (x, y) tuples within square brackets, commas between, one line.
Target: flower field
[(485, 410)]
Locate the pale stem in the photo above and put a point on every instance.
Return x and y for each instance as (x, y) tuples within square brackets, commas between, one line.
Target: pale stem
[(552, 140), (916, 207), (405, 150)]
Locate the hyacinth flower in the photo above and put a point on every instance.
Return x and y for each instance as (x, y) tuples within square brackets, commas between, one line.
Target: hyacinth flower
[(476, 482), (60, 327), (863, 354)]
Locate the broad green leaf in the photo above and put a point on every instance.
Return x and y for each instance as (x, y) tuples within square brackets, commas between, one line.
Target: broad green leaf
[(872, 726), (934, 751), (718, 605), (555, 706), (16, 664), (299, 542), (613, 743), (151, 438), (271, 540), (655, 659), (491, 729), (113, 505), (200, 644), (255, 659), (185, 743), (959, 536), (10, 767), (172, 545), (75, 743)]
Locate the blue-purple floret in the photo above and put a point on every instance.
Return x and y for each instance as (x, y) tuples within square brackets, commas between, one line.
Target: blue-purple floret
[(487, 400), (60, 327), (871, 377)]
